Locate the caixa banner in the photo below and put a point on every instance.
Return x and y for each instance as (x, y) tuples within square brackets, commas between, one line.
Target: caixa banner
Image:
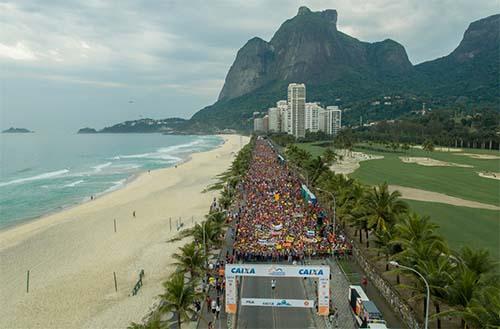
[(319, 271), (305, 303)]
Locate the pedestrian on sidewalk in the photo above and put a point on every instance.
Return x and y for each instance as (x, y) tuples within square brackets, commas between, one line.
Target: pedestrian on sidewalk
[(217, 311), (208, 302), (214, 305)]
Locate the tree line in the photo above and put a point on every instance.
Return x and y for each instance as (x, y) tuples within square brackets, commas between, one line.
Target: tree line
[(444, 127)]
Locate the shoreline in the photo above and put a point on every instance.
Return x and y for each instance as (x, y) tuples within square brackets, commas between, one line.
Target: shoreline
[(73, 255), (129, 180)]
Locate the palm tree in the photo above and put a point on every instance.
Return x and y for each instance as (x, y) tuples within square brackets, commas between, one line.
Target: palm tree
[(383, 244), (478, 261), (179, 297), (439, 275), (314, 168), (329, 156), (382, 208), (190, 259), (475, 281), (461, 291), (418, 238), (209, 231), (153, 323), (428, 146), (483, 310), (297, 156)]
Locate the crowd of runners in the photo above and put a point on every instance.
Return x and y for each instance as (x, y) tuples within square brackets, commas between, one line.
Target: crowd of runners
[(274, 219)]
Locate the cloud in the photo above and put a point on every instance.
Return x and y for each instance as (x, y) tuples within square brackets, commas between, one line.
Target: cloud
[(18, 52), (183, 49)]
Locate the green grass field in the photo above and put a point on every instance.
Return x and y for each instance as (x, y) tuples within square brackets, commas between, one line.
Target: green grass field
[(460, 225), (454, 181), (464, 226)]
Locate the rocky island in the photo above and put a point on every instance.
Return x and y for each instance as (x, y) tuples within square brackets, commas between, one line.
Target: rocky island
[(87, 130), (13, 130)]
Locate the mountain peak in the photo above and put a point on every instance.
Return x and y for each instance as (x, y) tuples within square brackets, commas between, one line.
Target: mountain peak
[(303, 10), (481, 35), (309, 48)]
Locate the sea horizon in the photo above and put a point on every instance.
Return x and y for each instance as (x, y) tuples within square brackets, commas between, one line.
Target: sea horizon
[(45, 173)]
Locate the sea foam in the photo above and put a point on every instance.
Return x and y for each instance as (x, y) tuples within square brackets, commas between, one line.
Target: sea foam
[(46, 175)]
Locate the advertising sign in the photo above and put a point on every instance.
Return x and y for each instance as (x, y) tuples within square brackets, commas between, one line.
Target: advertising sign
[(231, 298), (323, 296), (307, 303), (298, 271), (321, 272)]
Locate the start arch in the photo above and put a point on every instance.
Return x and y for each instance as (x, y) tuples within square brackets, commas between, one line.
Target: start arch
[(322, 272)]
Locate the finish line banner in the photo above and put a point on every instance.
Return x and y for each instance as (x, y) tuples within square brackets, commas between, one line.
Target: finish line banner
[(307, 303)]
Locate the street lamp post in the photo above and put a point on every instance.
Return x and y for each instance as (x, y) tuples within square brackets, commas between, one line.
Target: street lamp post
[(334, 207), (396, 264), (334, 210), (204, 244)]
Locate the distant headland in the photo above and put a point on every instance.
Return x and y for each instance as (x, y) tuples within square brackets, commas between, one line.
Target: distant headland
[(146, 125), (13, 130)]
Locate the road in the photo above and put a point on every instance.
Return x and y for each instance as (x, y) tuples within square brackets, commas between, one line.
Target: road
[(260, 317)]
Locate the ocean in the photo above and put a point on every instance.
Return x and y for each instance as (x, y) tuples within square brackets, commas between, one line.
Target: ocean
[(45, 172)]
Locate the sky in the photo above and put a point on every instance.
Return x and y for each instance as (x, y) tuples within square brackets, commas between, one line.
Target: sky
[(70, 64)]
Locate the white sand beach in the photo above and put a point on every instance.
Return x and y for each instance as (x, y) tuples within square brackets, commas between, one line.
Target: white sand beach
[(72, 255)]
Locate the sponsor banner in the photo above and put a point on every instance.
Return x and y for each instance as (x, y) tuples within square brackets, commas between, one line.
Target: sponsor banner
[(307, 303), (277, 227), (323, 296), (318, 271), (231, 298)]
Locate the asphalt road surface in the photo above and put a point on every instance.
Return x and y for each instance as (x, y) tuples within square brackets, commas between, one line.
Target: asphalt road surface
[(263, 317)]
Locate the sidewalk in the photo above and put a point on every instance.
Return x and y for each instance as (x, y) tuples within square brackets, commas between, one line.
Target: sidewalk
[(206, 314), (339, 287)]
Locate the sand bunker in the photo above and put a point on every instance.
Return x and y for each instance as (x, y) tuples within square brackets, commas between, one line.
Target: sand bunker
[(428, 196), (350, 161), (481, 156), (440, 149), (432, 162), (489, 174)]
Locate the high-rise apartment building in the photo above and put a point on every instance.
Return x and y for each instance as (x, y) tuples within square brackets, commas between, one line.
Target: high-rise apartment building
[(274, 120), (333, 120), (286, 117), (296, 104), (312, 111)]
